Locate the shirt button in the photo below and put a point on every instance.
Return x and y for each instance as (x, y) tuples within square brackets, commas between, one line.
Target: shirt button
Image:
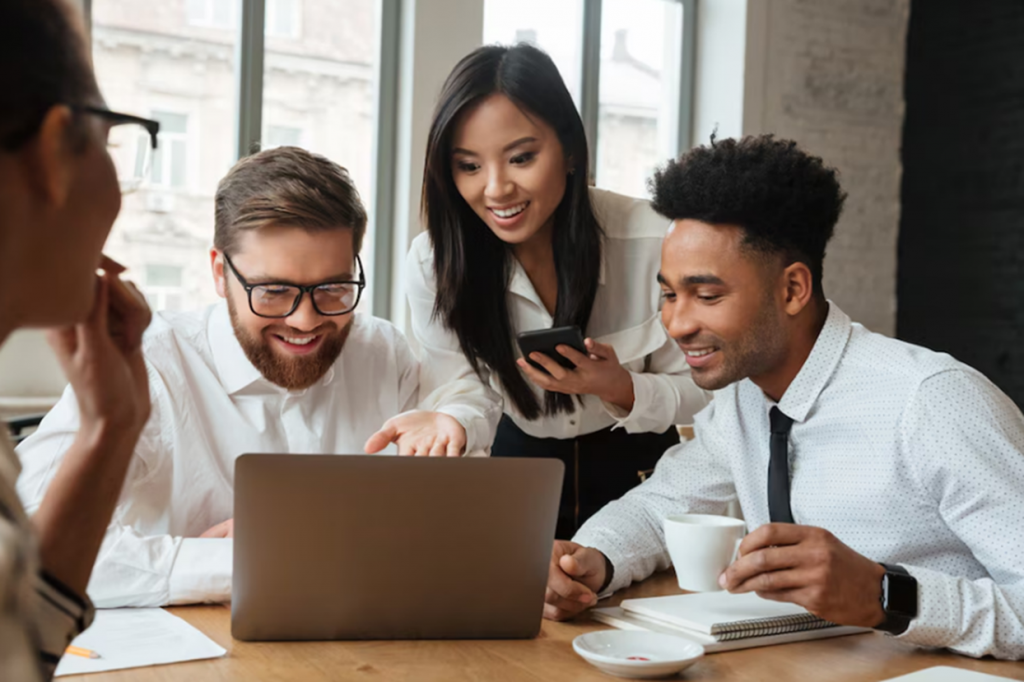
[(573, 422)]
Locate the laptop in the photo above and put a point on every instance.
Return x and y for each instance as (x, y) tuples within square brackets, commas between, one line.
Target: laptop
[(334, 547)]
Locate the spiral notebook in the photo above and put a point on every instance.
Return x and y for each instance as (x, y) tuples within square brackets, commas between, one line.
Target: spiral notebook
[(725, 617)]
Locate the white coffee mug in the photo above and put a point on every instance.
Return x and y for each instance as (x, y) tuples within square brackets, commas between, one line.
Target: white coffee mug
[(701, 547)]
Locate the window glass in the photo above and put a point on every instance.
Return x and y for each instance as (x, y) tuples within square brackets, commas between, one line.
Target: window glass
[(174, 62), (555, 26), (638, 116), (319, 92)]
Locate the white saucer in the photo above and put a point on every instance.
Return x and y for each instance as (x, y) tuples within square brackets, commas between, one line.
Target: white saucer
[(636, 654)]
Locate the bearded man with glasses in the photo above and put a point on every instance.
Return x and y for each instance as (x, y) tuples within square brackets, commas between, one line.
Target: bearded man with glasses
[(283, 365)]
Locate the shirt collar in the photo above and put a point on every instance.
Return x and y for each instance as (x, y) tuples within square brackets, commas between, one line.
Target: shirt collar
[(522, 286), (819, 367), (233, 367)]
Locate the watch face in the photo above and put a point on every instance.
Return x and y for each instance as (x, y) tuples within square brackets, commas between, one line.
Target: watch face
[(900, 594)]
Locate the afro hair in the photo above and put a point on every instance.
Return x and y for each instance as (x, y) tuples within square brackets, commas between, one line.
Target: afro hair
[(786, 201)]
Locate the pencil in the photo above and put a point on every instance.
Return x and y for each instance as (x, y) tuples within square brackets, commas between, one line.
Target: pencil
[(79, 651)]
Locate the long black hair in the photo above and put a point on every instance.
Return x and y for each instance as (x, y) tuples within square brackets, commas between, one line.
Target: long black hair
[(472, 266)]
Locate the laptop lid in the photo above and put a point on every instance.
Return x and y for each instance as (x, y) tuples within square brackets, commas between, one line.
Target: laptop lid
[(371, 547)]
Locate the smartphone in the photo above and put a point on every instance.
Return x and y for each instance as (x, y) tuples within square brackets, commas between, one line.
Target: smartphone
[(546, 340)]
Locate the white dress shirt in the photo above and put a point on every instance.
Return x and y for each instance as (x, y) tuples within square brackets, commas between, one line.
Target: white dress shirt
[(38, 616), (906, 455), (626, 315), (210, 405)]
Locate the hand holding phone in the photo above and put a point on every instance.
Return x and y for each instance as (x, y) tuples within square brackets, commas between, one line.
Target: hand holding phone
[(593, 370), (547, 340)]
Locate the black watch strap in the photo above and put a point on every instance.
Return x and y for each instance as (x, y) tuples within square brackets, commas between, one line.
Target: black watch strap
[(898, 599)]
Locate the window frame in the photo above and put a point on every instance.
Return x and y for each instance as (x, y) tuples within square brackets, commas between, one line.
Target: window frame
[(296, 18), (165, 149), (251, 26), (392, 25), (590, 87)]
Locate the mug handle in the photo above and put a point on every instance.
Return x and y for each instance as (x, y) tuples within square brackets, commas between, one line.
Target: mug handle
[(735, 551)]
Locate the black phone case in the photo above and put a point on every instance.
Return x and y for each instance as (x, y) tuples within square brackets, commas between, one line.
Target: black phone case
[(546, 340)]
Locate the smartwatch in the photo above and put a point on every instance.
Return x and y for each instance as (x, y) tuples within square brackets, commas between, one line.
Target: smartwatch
[(899, 599)]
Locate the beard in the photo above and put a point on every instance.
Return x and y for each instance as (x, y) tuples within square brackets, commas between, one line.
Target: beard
[(759, 350), (294, 373)]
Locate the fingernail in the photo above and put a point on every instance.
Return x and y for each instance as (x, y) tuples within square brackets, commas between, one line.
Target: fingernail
[(721, 580)]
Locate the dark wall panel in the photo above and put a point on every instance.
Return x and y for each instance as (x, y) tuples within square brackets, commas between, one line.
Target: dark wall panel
[(960, 285)]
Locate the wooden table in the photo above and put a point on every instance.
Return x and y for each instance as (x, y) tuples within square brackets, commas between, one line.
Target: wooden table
[(866, 657)]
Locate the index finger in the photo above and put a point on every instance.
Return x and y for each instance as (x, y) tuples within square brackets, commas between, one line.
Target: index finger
[(380, 440), (108, 264), (772, 535), (572, 354)]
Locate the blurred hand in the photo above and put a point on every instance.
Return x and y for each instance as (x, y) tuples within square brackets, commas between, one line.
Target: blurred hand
[(421, 434), (597, 373), (102, 356), (225, 529), (575, 575)]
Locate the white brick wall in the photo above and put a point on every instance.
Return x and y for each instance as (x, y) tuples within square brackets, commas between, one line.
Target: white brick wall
[(829, 74)]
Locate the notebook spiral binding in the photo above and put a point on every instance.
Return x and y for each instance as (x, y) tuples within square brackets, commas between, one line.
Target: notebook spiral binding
[(763, 627)]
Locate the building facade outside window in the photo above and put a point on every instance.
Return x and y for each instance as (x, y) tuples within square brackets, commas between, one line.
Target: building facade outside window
[(175, 62), (639, 75)]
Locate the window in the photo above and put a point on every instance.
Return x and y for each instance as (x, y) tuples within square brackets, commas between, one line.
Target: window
[(220, 14), (319, 93), (633, 123), (170, 159), (555, 27), (161, 65), (638, 113), (163, 287), (284, 18), (282, 136)]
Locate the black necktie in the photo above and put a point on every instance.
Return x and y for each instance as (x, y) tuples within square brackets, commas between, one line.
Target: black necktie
[(778, 469)]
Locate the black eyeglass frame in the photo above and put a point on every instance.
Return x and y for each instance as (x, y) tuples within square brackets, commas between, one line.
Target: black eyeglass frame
[(303, 290), (20, 137)]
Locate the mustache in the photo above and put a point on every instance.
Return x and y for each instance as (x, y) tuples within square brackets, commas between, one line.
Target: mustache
[(285, 330), (699, 339)]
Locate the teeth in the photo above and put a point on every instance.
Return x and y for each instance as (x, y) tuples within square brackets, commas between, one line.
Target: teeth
[(698, 353), (298, 342), (509, 212)]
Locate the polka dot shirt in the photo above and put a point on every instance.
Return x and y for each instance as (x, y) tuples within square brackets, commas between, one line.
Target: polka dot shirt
[(904, 454)]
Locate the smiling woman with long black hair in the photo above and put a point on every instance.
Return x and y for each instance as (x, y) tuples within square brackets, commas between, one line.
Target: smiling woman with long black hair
[(516, 241)]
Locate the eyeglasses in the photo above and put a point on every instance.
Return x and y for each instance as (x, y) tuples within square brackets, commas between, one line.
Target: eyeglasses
[(131, 141), (281, 299)]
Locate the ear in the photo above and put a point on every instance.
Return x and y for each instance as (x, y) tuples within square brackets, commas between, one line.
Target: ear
[(799, 288), (217, 267), (49, 157)]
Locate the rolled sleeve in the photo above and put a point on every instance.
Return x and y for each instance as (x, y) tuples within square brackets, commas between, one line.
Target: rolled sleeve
[(202, 571)]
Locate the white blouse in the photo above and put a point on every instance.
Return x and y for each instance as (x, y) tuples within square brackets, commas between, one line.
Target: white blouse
[(626, 315)]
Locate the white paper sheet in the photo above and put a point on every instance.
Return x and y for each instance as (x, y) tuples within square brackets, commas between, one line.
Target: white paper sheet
[(133, 638), (945, 673)]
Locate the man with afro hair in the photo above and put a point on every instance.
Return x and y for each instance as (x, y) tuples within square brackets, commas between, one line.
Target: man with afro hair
[(883, 483)]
